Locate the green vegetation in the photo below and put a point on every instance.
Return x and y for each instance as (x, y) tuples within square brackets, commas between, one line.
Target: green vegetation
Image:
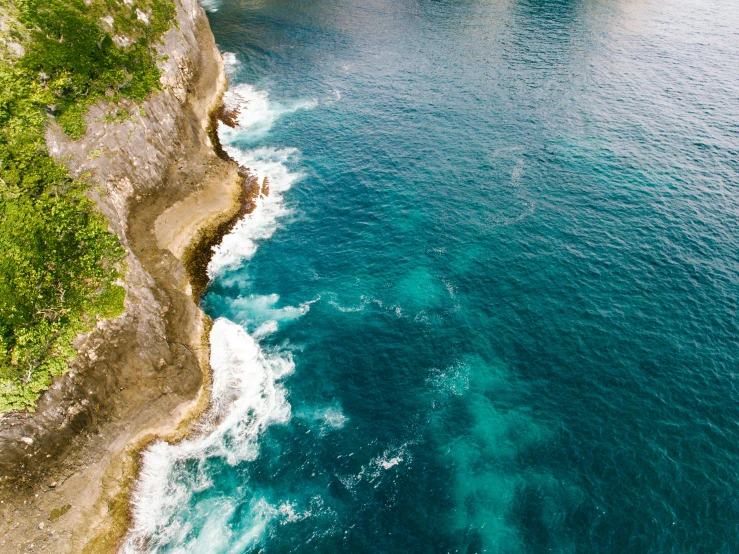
[(117, 116), (73, 51), (56, 513), (58, 261)]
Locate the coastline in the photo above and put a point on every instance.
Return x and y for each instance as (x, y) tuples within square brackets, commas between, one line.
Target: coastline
[(197, 250), (74, 496), (191, 242)]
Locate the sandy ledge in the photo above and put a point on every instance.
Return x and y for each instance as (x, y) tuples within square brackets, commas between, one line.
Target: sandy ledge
[(66, 472)]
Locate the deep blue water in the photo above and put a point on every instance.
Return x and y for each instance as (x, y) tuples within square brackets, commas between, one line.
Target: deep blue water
[(493, 301)]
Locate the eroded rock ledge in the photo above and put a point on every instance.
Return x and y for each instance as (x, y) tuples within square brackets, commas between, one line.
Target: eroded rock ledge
[(65, 469)]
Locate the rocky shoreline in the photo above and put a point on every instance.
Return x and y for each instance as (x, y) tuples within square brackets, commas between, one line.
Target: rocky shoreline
[(170, 193)]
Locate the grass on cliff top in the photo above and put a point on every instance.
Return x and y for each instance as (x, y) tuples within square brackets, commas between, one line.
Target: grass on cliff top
[(59, 263)]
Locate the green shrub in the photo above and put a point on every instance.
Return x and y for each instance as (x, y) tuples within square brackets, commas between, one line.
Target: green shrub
[(77, 58)]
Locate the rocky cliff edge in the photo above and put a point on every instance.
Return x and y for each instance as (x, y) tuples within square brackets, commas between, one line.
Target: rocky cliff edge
[(66, 470)]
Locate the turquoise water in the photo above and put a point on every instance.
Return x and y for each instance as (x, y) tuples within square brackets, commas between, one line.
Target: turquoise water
[(490, 303)]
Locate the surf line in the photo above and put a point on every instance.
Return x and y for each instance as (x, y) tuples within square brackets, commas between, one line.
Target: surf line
[(247, 391)]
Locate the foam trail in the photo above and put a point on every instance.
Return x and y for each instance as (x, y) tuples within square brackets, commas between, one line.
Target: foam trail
[(255, 310), (325, 418), (247, 395)]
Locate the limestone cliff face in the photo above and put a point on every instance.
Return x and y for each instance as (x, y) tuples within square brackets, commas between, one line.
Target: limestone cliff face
[(145, 366)]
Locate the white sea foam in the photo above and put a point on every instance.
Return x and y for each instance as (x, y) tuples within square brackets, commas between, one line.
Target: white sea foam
[(241, 243), (335, 97), (516, 174), (256, 113), (230, 62), (347, 309), (246, 398), (451, 289), (391, 462), (378, 466), (364, 302), (289, 513), (259, 309), (325, 418), (392, 457), (333, 301), (448, 382), (266, 328)]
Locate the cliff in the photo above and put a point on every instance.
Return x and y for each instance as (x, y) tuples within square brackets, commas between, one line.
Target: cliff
[(65, 469)]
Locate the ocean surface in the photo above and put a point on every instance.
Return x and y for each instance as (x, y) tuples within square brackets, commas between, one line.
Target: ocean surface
[(490, 303)]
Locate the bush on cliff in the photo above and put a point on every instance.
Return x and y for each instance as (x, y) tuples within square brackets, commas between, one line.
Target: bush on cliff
[(73, 50), (58, 262)]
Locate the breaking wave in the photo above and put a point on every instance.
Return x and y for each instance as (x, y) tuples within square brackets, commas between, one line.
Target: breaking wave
[(247, 397)]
